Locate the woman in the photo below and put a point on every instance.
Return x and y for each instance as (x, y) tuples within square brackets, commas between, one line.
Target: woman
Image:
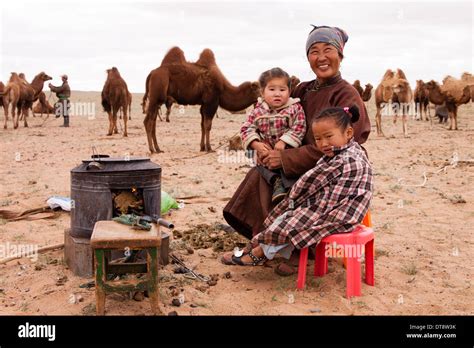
[(251, 203)]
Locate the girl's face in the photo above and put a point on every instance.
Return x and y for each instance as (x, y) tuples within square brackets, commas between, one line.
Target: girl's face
[(328, 134), (324, 60), (276, 93)]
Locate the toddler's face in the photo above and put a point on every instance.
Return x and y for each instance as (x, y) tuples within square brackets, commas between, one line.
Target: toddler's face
[(328, 134), (276, 93)]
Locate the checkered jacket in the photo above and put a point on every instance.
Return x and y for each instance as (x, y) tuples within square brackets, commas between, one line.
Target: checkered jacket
[(287, 123), (333, 197)]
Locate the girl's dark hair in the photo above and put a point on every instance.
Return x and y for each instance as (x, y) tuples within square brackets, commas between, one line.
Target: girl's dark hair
[(344, 117), (266, 76)]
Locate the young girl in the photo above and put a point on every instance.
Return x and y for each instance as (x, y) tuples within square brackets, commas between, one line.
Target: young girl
[(332, 197), (276, 122)]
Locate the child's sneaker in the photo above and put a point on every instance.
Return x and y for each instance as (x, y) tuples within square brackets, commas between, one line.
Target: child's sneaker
[(279, 192)]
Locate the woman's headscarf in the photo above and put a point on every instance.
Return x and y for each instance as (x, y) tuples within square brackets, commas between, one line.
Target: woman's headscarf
[(330, 35)]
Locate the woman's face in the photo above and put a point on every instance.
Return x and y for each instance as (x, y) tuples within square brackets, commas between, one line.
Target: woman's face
[(324, 60)]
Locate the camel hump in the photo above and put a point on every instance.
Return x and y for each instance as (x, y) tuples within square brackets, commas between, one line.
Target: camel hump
[(469, 78), (113, 72), (389, 74), (14, 77), (206, 58), (401, 74), (174, 56)]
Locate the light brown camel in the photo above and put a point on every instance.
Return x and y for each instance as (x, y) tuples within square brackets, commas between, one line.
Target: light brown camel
[(469, 80), (421, 100), (21, 95), (442, 95), (367, 93), (42, 106), (115, 97), (358, 87), (393, 94), (199, 83)]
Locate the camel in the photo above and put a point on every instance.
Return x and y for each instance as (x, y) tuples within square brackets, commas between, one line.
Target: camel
[(198, 83), (2, 88), (451, 95), (469, 79), (367, 93), (393, 92), (43, 106), (21, 95), (421, 100), (115, 97), (358, 87)]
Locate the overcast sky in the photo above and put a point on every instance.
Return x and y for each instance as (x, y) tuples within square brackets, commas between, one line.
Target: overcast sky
[(428, 40)]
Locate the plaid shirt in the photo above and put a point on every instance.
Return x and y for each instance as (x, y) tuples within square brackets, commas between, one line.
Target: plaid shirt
[(287, 123), (332, 197)]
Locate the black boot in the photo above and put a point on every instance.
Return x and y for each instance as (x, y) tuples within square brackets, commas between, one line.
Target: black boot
[(66, 122)]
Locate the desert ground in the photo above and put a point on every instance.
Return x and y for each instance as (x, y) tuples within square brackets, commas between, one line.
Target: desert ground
[(423, 229)]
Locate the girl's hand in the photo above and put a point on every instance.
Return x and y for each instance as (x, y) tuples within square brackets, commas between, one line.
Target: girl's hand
[(260, 147), (272, 159)]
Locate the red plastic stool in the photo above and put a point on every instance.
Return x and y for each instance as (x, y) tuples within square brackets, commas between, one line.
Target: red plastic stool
[(361, 236)]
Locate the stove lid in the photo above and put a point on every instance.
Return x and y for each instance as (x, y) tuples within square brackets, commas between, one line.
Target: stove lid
[(116, 164)]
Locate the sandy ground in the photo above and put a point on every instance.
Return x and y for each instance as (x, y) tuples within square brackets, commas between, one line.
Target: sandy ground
[(424, 246)]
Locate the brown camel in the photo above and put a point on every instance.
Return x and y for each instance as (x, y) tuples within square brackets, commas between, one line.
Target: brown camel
[(422, 100), (21, 95), (367, 93), (2, 88), (469, 79), (358, 87), (43, 106), (451, 98), (115, 97), (199, 83), (393, 94)]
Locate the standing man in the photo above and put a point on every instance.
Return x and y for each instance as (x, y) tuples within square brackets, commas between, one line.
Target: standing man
[(61, 107)]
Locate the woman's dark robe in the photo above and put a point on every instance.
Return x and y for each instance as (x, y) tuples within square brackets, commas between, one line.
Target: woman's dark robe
[(251, 202)]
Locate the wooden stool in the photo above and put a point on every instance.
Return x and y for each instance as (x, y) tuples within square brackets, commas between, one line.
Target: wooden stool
[(111, 235)]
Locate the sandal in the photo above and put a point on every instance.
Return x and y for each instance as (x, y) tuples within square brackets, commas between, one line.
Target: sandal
[(226, 258), (256, 261)]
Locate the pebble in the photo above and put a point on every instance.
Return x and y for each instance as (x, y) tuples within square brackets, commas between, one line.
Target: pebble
[(139, 296), (173, 314), (227, 275), (212, 282), (202, 288), (175, 302), (315, 310)]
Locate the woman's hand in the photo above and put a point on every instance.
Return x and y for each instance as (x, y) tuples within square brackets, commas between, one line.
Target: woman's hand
[(280, 145), (272, 159)]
